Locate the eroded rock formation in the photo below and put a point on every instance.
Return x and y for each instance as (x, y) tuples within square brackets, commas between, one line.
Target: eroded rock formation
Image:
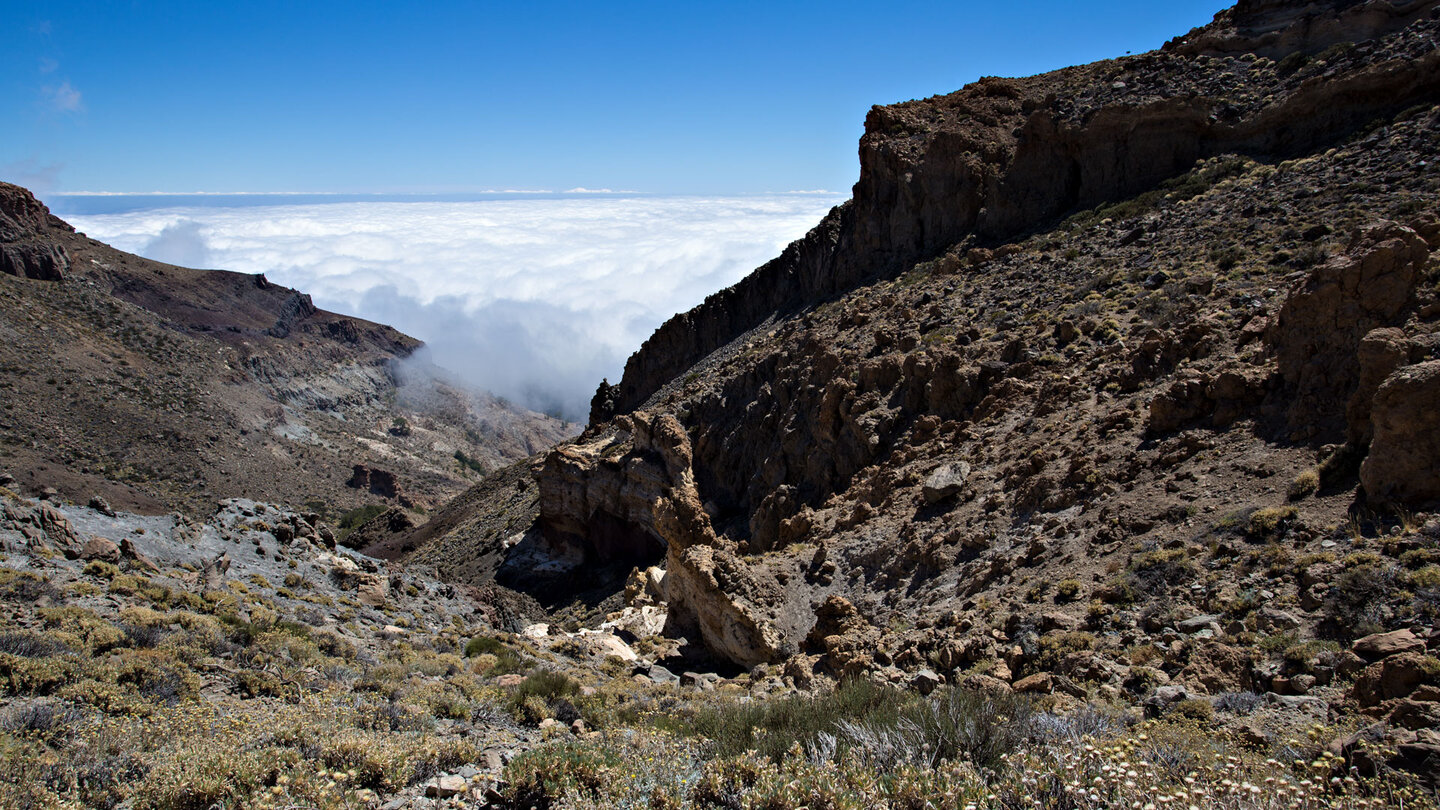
[(631, 496)]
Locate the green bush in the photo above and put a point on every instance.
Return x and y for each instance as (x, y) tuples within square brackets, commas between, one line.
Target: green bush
[(542, 778), (1194, 709), (359, 516), (1067, 590), (544, 693), (485, 644)]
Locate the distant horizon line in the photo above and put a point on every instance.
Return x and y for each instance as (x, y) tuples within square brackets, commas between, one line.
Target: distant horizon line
[(577, 190)]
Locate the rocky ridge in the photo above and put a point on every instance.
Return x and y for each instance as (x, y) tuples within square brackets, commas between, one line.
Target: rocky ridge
[(1003, 157), (257, 391)]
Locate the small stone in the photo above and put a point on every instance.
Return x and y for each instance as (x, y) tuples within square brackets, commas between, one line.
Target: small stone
[(1253, 735), (926, 681), (1199, 623), (443, 787)]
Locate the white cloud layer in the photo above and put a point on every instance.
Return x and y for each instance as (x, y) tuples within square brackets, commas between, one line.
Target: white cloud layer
[(535, 300)]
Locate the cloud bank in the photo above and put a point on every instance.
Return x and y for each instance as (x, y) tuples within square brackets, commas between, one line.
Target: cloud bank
[(534, 300)]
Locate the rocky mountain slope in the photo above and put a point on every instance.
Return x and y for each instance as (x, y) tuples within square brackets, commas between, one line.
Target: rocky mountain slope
[(1114, 378), (1087, 458), (160, 387)]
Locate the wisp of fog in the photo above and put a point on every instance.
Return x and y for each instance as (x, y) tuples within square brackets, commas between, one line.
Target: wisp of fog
[(535, 300)]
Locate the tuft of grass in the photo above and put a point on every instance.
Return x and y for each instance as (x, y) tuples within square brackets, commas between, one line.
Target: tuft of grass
[(1269, 522), (1305, 484), (772, 727)]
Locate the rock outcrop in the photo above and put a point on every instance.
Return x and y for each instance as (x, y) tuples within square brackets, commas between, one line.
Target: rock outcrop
[(1318, 335), (630, 497), (1403, 464), (24, 252)]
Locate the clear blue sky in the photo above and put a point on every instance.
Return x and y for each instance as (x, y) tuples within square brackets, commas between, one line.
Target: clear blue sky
[(673, 97)]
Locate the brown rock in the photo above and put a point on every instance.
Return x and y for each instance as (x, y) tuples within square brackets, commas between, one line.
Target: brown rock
[(1218, 667), (130, 552), (926, 681), (1184, 401), (1393, 677), (372, 589), (1404, 460), (1318, 332), (99, 548), (1057, 620), (1383, 645), (1379, 354), (1047, 683), (1253, 735), (1413, 714), (985, 683)]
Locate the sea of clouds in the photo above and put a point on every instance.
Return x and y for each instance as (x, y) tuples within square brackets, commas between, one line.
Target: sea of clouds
[(532, 299)]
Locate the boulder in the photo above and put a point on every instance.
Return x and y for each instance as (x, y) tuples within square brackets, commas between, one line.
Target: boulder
[(99, 548), (636, 623), (926, 681), (1272, 620), (986, 684), (945, 482), (1058, 620), (1392, 677), (1403, 465), (605, 645), (1216, 667), (1048, 683), (1198, 623), (372, 589), (1159, 701), (1316, 336), (131, 553), (1383, 645), (661, 675)]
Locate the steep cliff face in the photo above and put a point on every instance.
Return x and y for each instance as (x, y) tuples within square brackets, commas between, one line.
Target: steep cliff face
[(1002, 157), (24, 252)]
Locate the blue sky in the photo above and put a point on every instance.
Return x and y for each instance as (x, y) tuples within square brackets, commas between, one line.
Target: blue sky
[(710, 98)]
